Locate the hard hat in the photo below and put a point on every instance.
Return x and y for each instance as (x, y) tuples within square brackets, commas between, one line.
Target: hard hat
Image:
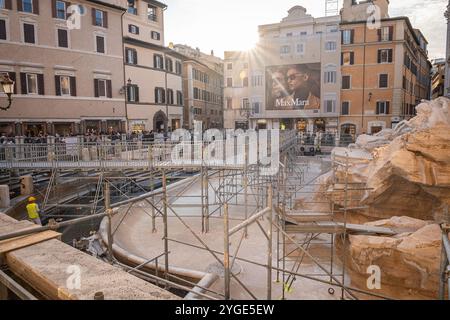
[(31, 199)]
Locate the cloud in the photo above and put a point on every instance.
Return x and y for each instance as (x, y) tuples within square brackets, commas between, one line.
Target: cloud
[(428, 16)]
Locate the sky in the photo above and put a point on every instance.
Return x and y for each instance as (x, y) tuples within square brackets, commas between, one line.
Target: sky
[(227, 25)]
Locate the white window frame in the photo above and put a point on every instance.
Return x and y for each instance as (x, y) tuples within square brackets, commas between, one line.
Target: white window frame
[(385, 34), (98, 34), (23, 6), (285, 49), (129, 51), (346, 75), (379, 78), (333, 105), (28, 84), (133, 29), (332, 28), (105, 93), (387, 55), (347, 36), (159, 96), (156, 33), (22, 32), (61, 85), (257, 80), (65, 9), (6, 19), (155, 14), (132, 96), (2, 4), (103, 18), (384, 108), (298, 46), (159, 62), (330, 46), (349, 108), (349, 58), (330, 76), (57, 37)]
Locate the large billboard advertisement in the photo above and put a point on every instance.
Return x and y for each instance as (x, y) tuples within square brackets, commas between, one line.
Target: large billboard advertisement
[(293, 87)]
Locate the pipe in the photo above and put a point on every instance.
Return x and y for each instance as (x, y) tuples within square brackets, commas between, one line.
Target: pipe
[(12, 285), (226, 255), (54, 226), (206, 279), (269, 244), (249, 221)]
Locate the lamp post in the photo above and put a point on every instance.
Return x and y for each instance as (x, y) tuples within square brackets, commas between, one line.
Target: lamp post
[(8, 88)]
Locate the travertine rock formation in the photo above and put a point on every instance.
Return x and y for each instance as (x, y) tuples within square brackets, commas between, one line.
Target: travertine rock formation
[(409, 262), (406, 169), (407, 175)]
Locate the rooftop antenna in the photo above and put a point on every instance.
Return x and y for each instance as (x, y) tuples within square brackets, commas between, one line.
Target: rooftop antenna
[(331, 8)]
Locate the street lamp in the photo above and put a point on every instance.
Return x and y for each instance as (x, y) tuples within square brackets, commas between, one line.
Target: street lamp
[(8, 88)]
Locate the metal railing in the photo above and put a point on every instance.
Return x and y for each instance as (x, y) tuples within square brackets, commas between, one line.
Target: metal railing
[(130, 154)]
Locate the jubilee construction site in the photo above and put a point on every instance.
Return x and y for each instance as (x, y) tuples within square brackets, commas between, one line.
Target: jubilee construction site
[(253, 215)]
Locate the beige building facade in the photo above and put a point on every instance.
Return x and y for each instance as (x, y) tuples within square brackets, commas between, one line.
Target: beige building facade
[(236, 92), (203, 95), (153, 72), (297, 59), (385, 70), (202, 87), (68, 68)]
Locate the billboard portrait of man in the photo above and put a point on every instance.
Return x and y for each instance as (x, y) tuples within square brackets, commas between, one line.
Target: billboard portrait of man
[(294, 87)]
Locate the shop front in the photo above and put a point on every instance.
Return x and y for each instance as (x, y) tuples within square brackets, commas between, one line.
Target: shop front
[(64, 129), (348, 133), (34, 129), (7, 128), (316, 125), (241, 125)]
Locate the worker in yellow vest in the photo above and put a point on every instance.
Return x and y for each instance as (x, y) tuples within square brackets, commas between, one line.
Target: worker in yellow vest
[(33, 211)]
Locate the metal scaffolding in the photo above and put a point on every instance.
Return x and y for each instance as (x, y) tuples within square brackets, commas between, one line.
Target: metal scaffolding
[(267, 201)]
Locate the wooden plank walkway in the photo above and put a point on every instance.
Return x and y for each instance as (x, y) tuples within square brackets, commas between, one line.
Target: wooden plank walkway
[(51, 267)]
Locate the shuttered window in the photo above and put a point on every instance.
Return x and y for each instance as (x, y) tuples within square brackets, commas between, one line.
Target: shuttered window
[(100, 41), (170, 97), (346, 82), (156, 35), (99, 18), (348, 36), (385, 56), (345, 108), (383, 81), (347, 58), (133, 29), (28, 33), (130, 56), (382, 107), (386, 33), (63, 41), (158, 61), (2, 30), (133, 93), (160, 94), (32, 83), (179, 98)]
